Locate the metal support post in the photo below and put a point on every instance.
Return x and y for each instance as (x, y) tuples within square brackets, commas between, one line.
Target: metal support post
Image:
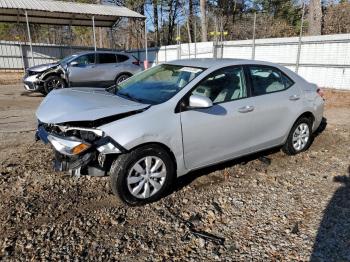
[(253, 43), (30, 38), (195, 39), (94, 32), (300, 36), (146, 49)]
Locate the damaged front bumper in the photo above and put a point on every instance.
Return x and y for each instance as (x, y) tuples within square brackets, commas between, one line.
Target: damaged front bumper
[(33, 83), (75, 154)]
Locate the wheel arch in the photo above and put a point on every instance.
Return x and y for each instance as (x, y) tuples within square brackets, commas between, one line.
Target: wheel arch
[(123, 73), (163, 146), (50, 74), (306, 114)]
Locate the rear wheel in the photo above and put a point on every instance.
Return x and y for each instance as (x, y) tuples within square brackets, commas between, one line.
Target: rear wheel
[(143, 175), (121, 78), (300, 137), (53, 82)]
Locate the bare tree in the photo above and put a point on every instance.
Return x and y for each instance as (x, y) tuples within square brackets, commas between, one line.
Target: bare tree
[(156, 23), (191, 19), (315, 17), (173, 13), (337, 18), (203, 6), (187, 16)]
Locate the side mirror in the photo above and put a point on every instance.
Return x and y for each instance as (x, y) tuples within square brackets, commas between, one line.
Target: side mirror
[(198, 101), (74, 63)]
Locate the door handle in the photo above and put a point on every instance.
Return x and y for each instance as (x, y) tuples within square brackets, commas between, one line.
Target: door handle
[(246, 109), (294, 97)]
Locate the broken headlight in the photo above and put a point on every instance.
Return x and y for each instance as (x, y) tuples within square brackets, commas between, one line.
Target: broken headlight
[(86, 134), (68, 146)]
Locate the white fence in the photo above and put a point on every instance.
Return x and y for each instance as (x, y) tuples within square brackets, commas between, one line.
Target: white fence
[(324, 60)]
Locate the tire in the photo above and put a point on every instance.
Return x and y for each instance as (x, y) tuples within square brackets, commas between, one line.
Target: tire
[(121, 78), (135, 189), (43, 92), (53, 82), (296, 141)]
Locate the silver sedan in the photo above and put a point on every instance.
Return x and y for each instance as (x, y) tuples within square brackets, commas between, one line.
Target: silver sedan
[(177, 117)]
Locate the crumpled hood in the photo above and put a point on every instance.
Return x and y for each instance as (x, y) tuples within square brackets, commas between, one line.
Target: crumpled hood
[(83, 104), (42, 68)]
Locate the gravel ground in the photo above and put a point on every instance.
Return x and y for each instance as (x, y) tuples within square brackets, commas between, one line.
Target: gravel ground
[(265, 209)]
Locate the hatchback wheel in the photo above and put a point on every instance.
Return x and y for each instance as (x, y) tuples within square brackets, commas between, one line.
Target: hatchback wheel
[(53, 82), (300, 137), (143, 175)]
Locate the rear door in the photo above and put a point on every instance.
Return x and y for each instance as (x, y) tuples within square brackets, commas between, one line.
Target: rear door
[(106, 68), (82, 73), (276, 99)]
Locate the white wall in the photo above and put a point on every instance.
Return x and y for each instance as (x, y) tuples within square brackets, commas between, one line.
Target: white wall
[(324, 60)]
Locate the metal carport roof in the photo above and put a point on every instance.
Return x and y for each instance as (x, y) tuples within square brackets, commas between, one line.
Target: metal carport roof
[(63, 13)]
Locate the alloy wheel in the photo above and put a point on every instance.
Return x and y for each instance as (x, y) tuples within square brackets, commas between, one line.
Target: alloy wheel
[(301, 136), (146, 177), (54, 84)]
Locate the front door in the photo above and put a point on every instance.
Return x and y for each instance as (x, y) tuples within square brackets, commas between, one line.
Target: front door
[(224, 130), (81, 71)]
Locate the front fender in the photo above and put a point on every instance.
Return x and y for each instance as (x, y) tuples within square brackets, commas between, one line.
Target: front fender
[(149, 127), (54, 71)]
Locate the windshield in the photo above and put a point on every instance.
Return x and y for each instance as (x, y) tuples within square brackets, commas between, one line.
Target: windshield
[(158, 84), (67, 59)]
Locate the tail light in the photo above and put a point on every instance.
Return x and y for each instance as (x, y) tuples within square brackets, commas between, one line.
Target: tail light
[(320, 92), (137, 62)]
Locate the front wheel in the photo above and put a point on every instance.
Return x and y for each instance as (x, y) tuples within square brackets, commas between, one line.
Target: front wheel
[(300, 137), (142, 175), (53, 82)]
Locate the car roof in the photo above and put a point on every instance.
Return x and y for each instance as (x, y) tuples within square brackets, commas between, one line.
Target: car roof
[(101, 52), (216, 62)]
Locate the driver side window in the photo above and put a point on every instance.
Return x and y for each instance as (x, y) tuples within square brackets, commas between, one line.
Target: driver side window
[(224, 85)]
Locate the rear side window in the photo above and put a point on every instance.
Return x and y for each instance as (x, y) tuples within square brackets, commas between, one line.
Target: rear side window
[(267, 79), (287, 81), (122, 58), (107, 59)]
